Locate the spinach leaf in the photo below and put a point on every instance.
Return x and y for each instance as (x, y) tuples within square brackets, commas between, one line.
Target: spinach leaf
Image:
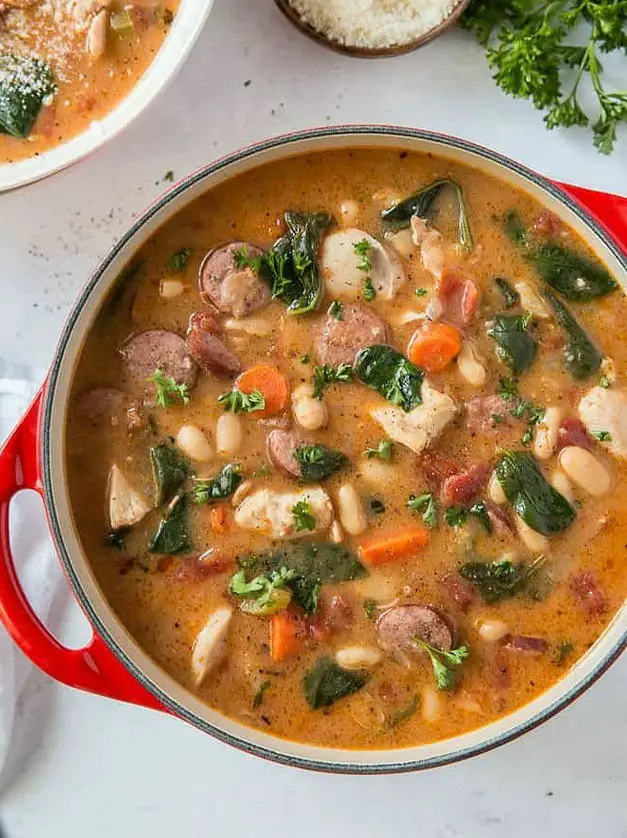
[(422, 204), (219, 487), (172, 535), (291, 264), (319, 461), (511, 297), (514, 228), (25, 82), (575, 276), (500, 579), (169, 471), (532, 497), (581, 356), (313, 565), (326, 683), (390, 374), (402, 714), (514, 343)]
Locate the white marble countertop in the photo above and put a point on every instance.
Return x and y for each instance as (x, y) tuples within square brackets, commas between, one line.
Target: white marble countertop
[(88, 766)]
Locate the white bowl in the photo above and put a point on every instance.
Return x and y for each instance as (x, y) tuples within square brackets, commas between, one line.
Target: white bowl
[(186, 27)]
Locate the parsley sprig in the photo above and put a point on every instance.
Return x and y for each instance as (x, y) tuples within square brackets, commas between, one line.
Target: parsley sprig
[(443, 663), (303, 517), (530, 51), (238, 402), (325, 375), (167, 391)]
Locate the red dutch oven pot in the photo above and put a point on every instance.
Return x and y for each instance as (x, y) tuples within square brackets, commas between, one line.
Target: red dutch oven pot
[(113, 664)]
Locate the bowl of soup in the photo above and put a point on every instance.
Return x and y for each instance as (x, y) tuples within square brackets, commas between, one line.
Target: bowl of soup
[(74, 73), (333, 452)]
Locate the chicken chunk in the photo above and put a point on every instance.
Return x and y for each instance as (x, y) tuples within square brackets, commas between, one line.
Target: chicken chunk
[(420, 426), (272, 513), (126, 505), (210, 646), (605, 410), (429, 240)]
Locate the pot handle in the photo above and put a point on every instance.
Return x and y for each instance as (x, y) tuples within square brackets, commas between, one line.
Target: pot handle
[(609, 210), (94, 668)]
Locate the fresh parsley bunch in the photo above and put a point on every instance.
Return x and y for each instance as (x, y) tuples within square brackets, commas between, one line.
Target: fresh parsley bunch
[(536, 52)]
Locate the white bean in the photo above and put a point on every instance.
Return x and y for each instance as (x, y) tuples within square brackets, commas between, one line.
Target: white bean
[(531, 300), (534, 541), (545, 442), (350, 509), (97, 34), (495, 490), (562, 484), (409, 316), (470, 366), (228, 434), (257, 326), (194, 444), (311, 414), (402, 243), (585, 470), (492, 630), (358, 657), (431, 704), (349, 212), (378, 473), (170, 288)]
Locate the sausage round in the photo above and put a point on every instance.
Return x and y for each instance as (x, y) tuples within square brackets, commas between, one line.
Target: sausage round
[(156, 349), (281, 446), (231, 289), (340, 340), (399, 625), (206, 348)]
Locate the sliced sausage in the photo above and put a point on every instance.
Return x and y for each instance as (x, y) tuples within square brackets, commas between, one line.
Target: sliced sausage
[(463, 488), (459, 299), (572, 431), (206, 348), (340, 340), (231, 289), (460, 590), (281, 446), (156, 349), (529, 645), (587, 591), (436, 468), (398, 626), (482, 410)]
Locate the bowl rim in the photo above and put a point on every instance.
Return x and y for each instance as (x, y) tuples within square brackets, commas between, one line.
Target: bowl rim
[(188, 23), (564, 697)]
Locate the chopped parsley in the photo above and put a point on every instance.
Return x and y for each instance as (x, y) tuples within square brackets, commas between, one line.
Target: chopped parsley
[(383, 451), (303, 517), (426, 504), (508, 388), (443, 662), (370, 608), (369, 292), (420, 292), (563, 652), (238, 402), (305, 359), (178, 260), (602, 436), (457, 516), (264, 594), (325, 375), (243, 259), (605, 382), (497, 418), (336, 309), (362, 249), (167, 391)]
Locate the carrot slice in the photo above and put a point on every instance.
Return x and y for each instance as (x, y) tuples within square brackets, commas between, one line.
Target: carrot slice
[(435, 346), (270, 382), (287, 635), (219, 519), (390, 548)]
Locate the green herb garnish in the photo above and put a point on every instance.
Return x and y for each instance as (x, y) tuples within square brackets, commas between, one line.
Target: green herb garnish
[(317, 462), (443, 662), (258, 699), (262, 595), (325, 375), (303, 517), (178, 260), (602, 436), (243, 259), (370, 608), (362, 249), (426, 504), (420, 292), (383, 451), (238, 402), (167, 391), (222, 486), (336, 309)]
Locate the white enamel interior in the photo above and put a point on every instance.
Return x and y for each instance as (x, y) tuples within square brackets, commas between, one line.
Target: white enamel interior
[(184, 703), (187, 25)]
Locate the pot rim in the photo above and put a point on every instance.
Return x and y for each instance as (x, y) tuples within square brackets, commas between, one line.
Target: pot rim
[(488, 743)]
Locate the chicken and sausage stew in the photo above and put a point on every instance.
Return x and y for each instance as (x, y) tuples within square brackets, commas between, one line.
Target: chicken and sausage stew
[(66, 63), (359, 423)]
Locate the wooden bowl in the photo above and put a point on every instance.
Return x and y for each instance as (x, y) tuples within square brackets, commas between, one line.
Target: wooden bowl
[(365, 52)]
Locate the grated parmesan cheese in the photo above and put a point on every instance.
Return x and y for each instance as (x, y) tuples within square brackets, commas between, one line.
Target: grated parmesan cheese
[(373, 24)]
